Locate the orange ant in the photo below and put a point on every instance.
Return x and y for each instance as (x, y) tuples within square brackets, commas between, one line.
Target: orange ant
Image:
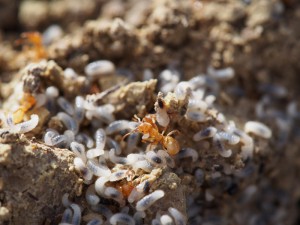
[(32, 44), (151, 134), (27, 102)]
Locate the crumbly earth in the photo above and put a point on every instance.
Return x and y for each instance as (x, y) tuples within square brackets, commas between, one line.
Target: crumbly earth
[(260, 39), (31, 175)]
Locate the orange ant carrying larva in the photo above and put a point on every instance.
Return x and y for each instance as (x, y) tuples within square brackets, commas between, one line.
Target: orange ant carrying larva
[(27, 102), (152, 135)]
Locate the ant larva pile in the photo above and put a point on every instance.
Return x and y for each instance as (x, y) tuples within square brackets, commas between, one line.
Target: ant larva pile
[(132, 168)]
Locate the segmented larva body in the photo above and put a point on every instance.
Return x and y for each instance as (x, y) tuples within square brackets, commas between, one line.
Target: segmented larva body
[(68, 121), (120, 125), (98, 169), (78, 150), (182, 90), (91, 196), (76, 214), (188, 152), (26, 126), (230, 138), (65, 105), (149, 200), (114, 194), (179, 218), (99, 68), (221, 74), (166, 220), (219, 145), (258, 129), (121, 218), (81, 167), (118, 175), (97, 221), (205, 133)]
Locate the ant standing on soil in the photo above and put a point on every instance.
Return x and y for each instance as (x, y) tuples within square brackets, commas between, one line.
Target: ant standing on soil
[(147, 126)]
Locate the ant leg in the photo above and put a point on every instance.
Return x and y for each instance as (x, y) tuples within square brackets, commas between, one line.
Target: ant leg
[(176, 132)]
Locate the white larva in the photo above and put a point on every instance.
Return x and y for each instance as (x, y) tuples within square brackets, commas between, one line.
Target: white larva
[(76, 214), (9, 120), (116, 159), (197, 104), (85, 139), (219, 145), (69, 73), (134, 157), (143, 187), (70, 137), (52, 92), (118, 175), (195, 115), (149, 200), (179, 218), (114, 194), (57, 140), (144, 165), (182, 90), (210, 99), (99, 68), (103, 113), (188, 152), (221, 74), (134, 195), (97, 221), (166, 220), (147, 75), (100, 185), (66, 217), (197, 82), (100, 137), (26, 126), (170, 161), (65, 200), (205, 133), (81, 167), (68, 121), (138, 217), (155, 222), (52, 33), (155, 159), (121, 218), (168, 79), (162, 117), (94, 152), (65, 105), (258, 129), (41, 100), (120, 125), (230, 138), (103, 210), (79, 111), (98, 169), (113, 144), (248, 144), (78, 150), (91, 196)]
